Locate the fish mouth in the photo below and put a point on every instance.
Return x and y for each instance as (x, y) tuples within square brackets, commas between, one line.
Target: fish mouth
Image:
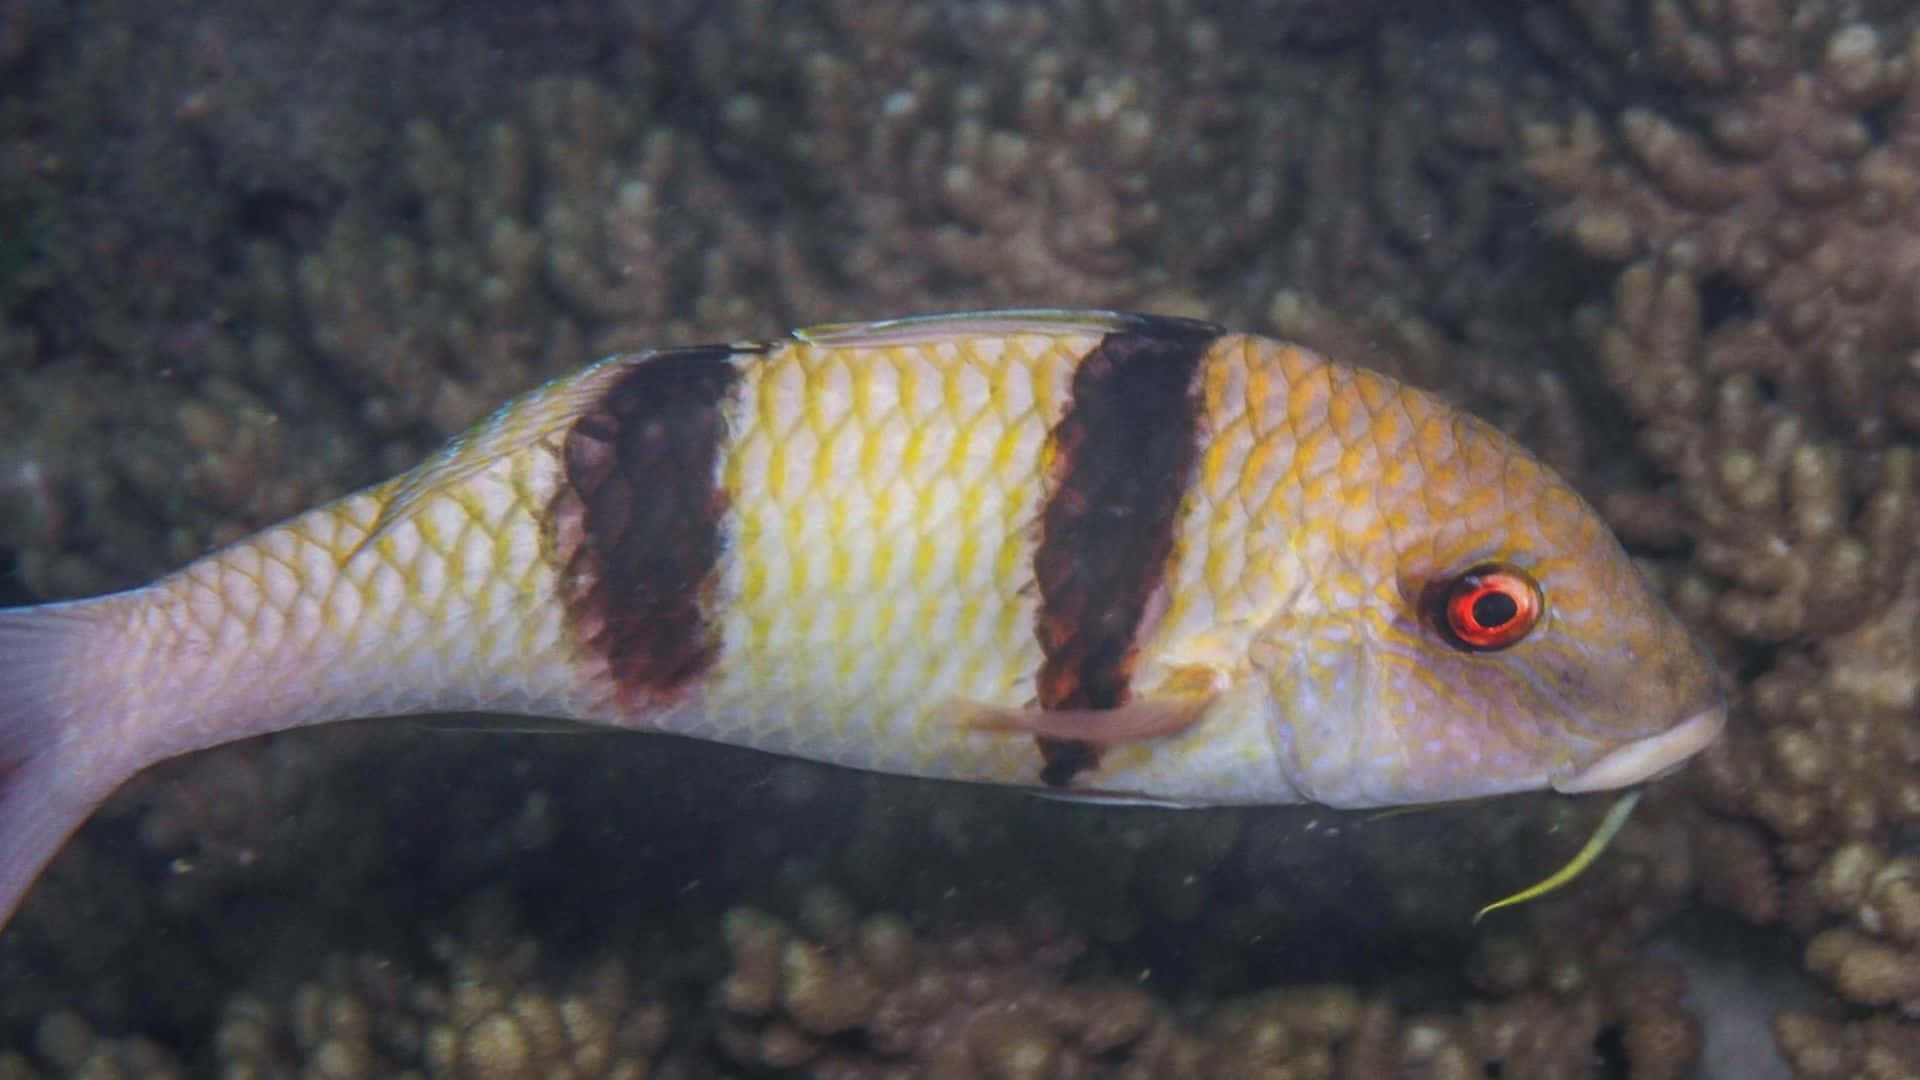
[(1649, 758)]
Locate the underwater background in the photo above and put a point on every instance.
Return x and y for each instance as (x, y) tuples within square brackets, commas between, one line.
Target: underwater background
[(253, 256)]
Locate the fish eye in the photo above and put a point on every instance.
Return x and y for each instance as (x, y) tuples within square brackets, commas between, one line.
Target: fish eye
[(1489, 607)]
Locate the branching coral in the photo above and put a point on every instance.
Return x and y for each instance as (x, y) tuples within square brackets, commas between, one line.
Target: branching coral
[(985, 1004), (1354, 180), (1122, 154), (1876, 959), (869, 998), (1824, 1049), (1761, 335), (1788, 190), (1796, 530), (70, 1045), (488, 1016), (1774, 416)]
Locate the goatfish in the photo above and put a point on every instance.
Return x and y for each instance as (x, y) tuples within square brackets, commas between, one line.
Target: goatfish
[(1103, 555)]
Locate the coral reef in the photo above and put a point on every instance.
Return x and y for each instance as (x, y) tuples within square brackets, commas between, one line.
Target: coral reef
[(70, 1045), (837, 994), (1084, 916), (869, 998), (1761, 336), (251, 282), (1877, 1049), (485, 1014)]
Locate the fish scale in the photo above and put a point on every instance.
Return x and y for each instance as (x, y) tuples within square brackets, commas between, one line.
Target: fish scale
[(827, 619), (392, 625), (1116, 556)]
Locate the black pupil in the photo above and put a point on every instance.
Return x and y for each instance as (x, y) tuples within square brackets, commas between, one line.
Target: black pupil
[(1493, 609)]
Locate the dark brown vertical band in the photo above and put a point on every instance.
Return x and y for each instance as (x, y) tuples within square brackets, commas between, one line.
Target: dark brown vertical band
[(642, 514), (1124, 451)]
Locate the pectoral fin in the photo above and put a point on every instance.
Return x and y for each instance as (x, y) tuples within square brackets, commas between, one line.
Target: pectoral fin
[(1136, 721)]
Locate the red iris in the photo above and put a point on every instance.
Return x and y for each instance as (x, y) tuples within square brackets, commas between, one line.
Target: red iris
[(1490, 607)]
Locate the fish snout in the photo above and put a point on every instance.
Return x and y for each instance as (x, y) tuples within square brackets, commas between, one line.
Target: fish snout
[(1649, 758)]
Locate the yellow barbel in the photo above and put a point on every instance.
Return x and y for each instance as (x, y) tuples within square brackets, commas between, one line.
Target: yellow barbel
[(1105, 554)]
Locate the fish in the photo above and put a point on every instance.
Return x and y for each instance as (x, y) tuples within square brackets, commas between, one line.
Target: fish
[(1118, 557)]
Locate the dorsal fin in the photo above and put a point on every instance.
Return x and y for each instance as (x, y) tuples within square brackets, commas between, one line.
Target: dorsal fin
[(534, 415), (922, 329)]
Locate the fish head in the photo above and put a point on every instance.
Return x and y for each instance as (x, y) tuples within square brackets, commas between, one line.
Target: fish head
[(1479, 631)]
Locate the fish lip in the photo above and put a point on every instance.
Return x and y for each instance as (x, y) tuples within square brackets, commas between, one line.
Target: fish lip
[(1648, 758)]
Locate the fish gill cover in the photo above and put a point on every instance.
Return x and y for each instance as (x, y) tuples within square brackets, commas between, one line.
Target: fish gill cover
[(256, 258)]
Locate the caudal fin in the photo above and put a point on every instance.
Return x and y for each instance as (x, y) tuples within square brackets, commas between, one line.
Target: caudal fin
[(43, 796)]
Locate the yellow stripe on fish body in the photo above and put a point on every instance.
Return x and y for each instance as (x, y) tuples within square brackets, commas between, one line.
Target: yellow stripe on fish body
[(1107, 553), (857, 598)]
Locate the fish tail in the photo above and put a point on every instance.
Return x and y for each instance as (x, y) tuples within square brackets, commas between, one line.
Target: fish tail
[(44, 795)]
